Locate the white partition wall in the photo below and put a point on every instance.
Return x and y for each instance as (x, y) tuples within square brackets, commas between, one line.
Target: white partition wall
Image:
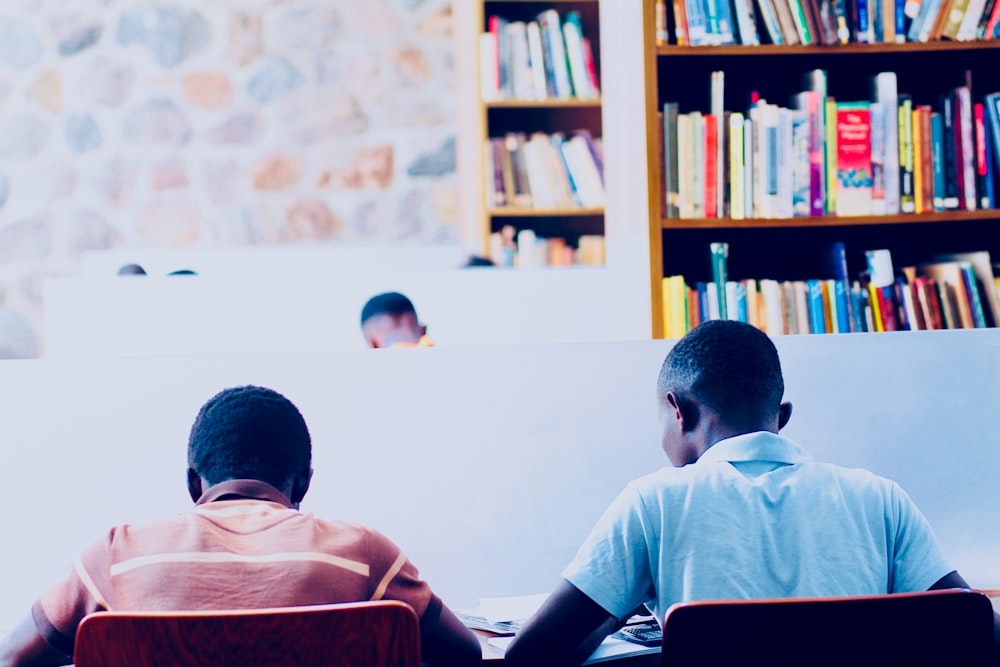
[(488, 465)]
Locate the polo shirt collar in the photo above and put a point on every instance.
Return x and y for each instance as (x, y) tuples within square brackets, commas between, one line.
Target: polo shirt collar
[(756, 446), (253, 489)]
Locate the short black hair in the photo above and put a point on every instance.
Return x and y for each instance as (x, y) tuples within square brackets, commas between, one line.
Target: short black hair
[(729, 366), (387, 303), (249, 432)]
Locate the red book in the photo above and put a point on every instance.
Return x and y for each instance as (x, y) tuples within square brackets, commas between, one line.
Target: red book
[(854, 159), (588, 63), (711, 185)]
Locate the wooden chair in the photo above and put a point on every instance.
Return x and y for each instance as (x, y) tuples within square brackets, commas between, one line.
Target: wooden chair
[(946, 627), (362, 634)]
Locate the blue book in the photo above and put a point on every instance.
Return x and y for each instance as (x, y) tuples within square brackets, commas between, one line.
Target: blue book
[(702, 288), (842, 304), (817, 317), (858, 303)]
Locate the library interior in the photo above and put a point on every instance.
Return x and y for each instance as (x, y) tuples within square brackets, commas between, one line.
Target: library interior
[(196, 196)]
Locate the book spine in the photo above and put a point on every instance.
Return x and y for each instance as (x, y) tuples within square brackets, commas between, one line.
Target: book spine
[(918, 173), (831, 153), (982, 171), (878, 152), (886, 93), (817, 314), (711, 184), (671, 183), (905, 120), (737, 179), (720, 275), (950, 163), (937, 160), (697, 22), (926, 156), (965, 147), (854, 177), (801, 165)]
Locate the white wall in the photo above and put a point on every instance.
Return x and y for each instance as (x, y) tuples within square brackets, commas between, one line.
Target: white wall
[(487, 464), (319, 309)]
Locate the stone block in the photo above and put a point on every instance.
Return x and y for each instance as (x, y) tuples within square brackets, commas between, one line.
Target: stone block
[(438, 162), (20, 47), (371, 168), (246, 43), (243, 129), (75, 34), (170, 34), (159, 122), (276, 173), (208, 90), (47, 91), (312, 220), (82, 132), (170, 175), (23, 136), (275, 78)]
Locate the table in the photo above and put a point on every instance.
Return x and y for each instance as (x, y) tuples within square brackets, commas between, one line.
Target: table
[(619, 652)]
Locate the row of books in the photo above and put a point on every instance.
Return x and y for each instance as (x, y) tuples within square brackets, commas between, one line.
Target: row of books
[(525, 249), (544, 171), (548, 58), (828, 22), (959, 291), (828, 157)]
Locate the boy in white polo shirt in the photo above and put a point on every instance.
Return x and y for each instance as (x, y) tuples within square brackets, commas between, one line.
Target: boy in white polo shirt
[(745, 513)]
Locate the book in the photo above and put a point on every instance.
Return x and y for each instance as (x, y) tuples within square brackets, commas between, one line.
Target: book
[(937, 160), (737, 178), (854, 168), (885, 92), (812, 103), (878, 113), (555, 50), (671, 184), (712, 184), (981, 266), (537, 57), (907, 203), (720, 275), (573, 38), (965, 159)]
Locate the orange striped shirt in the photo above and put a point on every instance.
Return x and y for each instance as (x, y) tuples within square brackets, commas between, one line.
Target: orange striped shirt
[(241, 547)]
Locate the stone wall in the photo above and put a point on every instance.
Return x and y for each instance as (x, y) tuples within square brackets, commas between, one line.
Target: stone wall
[(217, 123)]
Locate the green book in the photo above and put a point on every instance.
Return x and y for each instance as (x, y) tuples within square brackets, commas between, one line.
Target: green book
[(720, 274)]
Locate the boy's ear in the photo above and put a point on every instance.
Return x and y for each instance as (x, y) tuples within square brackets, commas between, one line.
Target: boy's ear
[(194, 485), (300, 485), (784, 414), (687, 411)]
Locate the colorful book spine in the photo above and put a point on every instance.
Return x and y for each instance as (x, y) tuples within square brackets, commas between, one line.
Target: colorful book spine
[(854, 164), (720, 275), (937, 160)]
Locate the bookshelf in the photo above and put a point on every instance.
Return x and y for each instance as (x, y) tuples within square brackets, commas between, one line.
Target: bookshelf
[(791, 248), (502, 116)]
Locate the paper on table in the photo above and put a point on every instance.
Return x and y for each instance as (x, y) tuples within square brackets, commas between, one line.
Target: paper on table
[(517, 608), (610, 648)]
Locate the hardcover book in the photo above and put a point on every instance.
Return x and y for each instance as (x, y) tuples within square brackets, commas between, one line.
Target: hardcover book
[(854, 159)]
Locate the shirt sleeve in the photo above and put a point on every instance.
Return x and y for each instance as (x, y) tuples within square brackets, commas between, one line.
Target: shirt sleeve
[(86, 589), (612, 566), (393, 577), (917, 559)]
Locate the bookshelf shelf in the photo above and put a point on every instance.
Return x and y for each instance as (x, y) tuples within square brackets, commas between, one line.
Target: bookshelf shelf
[(945, 217), (667, 50), (511, 212), (572, 103)]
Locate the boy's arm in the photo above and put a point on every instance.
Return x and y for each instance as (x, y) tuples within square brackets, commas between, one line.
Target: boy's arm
[(444, 640), (23, 645), (565, 630), (955, 580)]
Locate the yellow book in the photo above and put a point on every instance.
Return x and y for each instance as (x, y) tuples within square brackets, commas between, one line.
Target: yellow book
[(918, 180), (675, 315), (667, 296), (876, 311), (831, 155)]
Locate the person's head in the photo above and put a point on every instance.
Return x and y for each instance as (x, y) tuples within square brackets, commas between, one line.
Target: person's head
[(388, 319), (250, 433), (722, 379), (132, 270)]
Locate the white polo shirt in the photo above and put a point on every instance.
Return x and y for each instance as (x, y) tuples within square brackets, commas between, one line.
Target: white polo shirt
[(755, 517)]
